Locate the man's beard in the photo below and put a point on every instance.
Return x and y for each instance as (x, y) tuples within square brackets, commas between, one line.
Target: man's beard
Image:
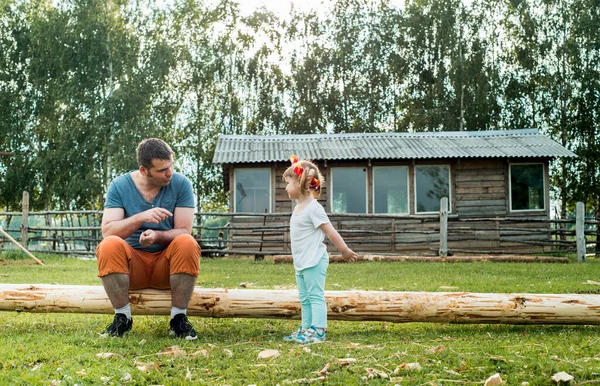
[(155, 182)]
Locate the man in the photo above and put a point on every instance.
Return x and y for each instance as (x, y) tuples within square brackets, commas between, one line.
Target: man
[(147, 226)]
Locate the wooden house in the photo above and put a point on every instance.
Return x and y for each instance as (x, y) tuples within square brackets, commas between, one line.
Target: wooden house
[(383, 190)]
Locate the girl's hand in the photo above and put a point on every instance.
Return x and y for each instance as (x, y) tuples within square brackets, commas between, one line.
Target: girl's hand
[(349, 255)]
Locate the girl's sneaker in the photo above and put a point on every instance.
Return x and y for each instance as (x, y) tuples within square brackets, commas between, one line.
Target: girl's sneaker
[(311, 335), (294, 335)]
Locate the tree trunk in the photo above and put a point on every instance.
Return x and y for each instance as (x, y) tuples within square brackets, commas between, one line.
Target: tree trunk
[(597, 218), (438, 307), (287, 259)]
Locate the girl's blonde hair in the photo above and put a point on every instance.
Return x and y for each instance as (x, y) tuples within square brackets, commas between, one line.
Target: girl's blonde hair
[(309, 171)]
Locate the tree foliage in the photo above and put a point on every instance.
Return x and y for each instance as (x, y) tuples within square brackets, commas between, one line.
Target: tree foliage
[(83, 81)]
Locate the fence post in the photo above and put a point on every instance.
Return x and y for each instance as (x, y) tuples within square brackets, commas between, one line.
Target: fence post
[(443, 227), (580, 232), (260, 256), (199, 222), (393, 248), (25, 219), (48, 222)]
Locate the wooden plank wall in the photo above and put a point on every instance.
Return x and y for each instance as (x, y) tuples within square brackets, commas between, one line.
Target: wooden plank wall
[(399, 235), (498, 236), (282, 203), (479, 190), (275, 239)]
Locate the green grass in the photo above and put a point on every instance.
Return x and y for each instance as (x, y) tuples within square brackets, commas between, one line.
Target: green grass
[(39, 349)]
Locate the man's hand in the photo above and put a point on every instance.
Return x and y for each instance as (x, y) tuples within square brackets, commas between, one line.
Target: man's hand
[(154, 215), (349, 255), (148, 238)]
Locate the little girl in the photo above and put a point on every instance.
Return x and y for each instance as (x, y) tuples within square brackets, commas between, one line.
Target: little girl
[(308, 226)]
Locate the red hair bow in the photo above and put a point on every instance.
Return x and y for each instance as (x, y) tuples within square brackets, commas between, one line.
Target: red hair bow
[(314, 184), (298, 169)]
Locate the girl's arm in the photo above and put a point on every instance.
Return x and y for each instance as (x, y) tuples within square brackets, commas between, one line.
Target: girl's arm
[(347, 253)]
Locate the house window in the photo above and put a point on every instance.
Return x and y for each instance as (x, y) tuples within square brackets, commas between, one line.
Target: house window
[(349, 190), (252, 190), (431, 184), (390, 190), (527, 187)]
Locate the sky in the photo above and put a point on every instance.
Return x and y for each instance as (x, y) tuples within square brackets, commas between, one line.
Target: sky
[(282, 7)]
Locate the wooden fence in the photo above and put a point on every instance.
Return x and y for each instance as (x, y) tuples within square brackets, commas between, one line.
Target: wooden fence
[(441, 234), (259, 234)]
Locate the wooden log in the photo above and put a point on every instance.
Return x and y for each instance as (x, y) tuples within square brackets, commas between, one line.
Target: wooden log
[(287, 259), (399, 307)]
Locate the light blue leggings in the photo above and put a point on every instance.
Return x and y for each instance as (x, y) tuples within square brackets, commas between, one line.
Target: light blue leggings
[(311, 291)]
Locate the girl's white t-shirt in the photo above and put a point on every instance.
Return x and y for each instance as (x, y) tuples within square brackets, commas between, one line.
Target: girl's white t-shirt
[(306, 236)]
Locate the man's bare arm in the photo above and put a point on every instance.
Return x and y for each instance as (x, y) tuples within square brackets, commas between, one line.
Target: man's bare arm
[(114, 222), (184, 220)]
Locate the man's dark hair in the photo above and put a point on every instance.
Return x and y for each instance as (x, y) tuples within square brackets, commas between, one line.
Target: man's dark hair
[(153, 148)]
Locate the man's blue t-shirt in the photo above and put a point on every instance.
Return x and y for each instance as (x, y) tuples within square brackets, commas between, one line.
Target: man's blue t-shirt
[(122, 193)]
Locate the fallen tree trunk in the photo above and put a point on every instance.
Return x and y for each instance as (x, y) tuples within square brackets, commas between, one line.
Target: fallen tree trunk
[(287, 259), (439, 307)]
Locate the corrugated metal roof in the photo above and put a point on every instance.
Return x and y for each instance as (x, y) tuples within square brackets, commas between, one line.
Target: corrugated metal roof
[(449, 144)]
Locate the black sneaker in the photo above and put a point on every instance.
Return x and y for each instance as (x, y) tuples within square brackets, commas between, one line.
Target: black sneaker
[(120, 325), (181, 328)]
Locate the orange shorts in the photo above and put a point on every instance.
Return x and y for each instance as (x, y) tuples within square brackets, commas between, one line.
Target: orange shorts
[(148, 269)]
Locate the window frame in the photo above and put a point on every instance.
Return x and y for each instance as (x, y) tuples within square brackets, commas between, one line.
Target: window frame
[(331, 184), (448, 166), (544, 187), (270, 188), (407, 189)]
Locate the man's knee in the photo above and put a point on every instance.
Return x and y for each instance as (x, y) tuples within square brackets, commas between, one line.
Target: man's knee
[(110, 246), (185, 255), (111, 254), (186, 241), (186, 246)]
